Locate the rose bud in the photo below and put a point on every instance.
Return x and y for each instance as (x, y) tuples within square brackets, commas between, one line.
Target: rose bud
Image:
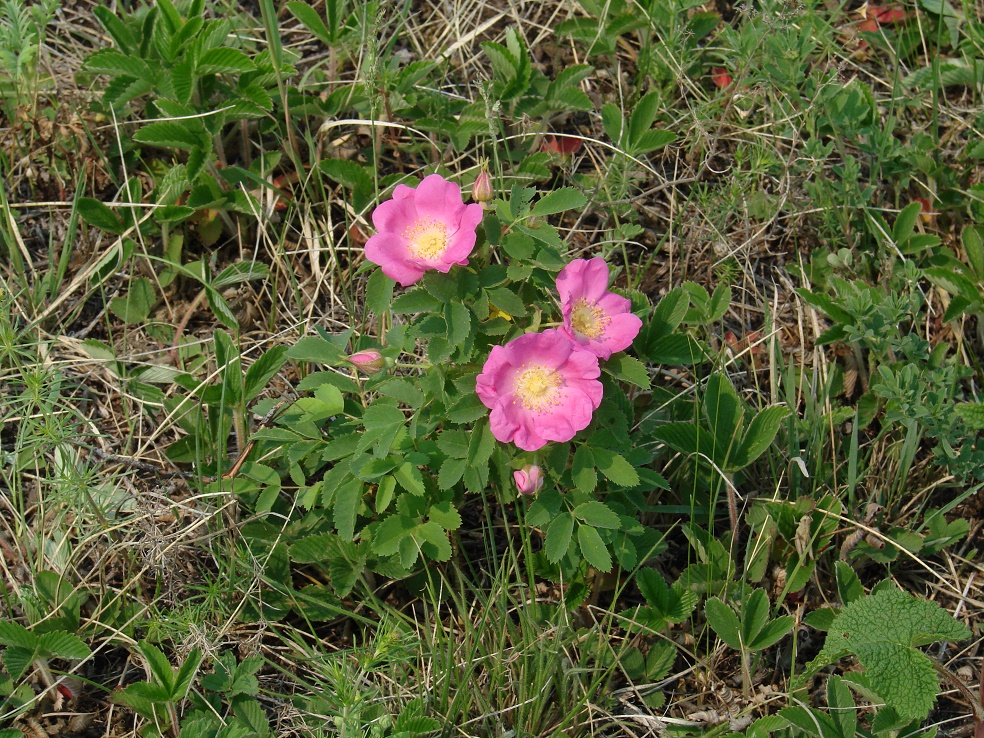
[(529, 479), (367, 361), (482, 190)]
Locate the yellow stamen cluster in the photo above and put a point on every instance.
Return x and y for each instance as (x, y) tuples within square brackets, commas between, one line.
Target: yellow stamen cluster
[(537, 387), (588, 320), (428, 238)]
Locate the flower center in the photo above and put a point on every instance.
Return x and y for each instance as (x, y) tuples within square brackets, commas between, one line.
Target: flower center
[(537, 387), (588, 320), (428, 238)]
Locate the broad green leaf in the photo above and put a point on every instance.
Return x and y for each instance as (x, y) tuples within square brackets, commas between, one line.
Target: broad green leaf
[(772, 632), (348, 500), (843, 711), (385, 491), (754, 615), (668, 314), (311, 549), (905, 222), (583, 471), (972, 413), (596, 514), (382, 422), (466, 409), (433, 534), (390, 532), (414, 301), (652, 141), (62, 645), (459, 321), (379, 292), (615, 468), (167, 134), (18, 660), (224, 60), (403, 390), (825, 304), (262, 371), (451, 472), (185, 674), (445, 515), (724, 413), (670, 604), (677, 349), (558, 537), (507, 301), (100, 215), (410, 478), (453, 443), (724, 622), (613, 122), (628, 369), (15, 634), (309, 17), (759, 435), (593, 549), (642, 118), (884, 630), (558, 201), (849, 587), (973, 244), (135, 306), (159, 666)]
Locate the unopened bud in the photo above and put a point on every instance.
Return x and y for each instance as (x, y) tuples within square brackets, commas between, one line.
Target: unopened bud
[(529, 479), (367, 361), (482, 190)]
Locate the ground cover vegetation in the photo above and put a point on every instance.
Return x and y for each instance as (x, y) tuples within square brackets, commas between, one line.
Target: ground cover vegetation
[(497, 368)]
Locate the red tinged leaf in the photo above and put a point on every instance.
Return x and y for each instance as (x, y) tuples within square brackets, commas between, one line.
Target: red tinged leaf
[(887, 15), (868, 26), (721, 78), (563, 145)]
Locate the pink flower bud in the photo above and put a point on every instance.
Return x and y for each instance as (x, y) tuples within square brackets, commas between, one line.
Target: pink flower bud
[(482, 190), (367, 361), (529, 479)]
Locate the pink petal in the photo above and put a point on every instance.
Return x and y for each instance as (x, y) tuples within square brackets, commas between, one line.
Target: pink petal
[(439, 199), (394, 216)]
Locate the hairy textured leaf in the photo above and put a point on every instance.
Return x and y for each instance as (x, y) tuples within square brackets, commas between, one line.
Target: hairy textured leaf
[(884, 630), (62, 645)]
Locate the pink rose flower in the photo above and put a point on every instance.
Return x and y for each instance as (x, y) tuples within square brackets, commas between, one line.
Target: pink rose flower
[(594, 318), (529, 479), (540, 388), (429, 227)]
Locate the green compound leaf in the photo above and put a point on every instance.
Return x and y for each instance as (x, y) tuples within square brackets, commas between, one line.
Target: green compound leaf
[(883, 630), (615, 468), (17, 660), (62, 645), (597, 514), (593, 549), (565, 198), (16, 635), (558, 539), (724, 622)]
